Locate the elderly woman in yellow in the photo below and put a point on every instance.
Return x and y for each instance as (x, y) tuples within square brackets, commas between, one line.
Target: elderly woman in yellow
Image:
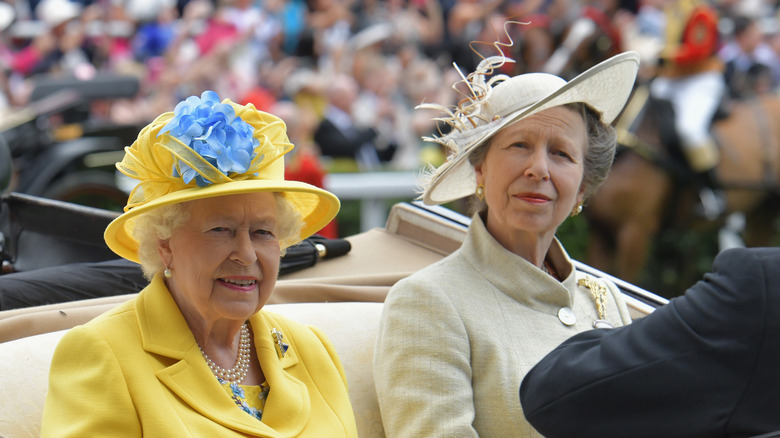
[(457, 337), (194, 354)]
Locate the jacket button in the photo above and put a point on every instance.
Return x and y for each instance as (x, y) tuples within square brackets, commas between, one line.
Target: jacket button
[(566, 315)]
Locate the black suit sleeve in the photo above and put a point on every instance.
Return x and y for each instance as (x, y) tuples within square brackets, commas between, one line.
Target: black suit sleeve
[(76, 281), (688, 369)]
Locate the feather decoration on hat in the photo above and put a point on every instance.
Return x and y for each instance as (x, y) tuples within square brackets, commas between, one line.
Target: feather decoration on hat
[(471, 113)]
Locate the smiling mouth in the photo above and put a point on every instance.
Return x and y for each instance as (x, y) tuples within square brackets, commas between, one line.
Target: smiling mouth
[(239, 282)]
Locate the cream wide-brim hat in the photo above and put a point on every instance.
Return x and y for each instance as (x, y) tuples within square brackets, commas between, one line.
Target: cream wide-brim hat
[(605, 87), (151, 158)]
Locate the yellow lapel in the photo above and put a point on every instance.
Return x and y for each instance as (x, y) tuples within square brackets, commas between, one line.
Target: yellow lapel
[(165, 332), (288, 407)]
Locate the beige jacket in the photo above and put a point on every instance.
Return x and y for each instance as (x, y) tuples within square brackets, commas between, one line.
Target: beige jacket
[(457, 338)]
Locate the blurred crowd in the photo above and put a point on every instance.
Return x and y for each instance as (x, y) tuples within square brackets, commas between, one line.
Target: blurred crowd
[(346, 74)]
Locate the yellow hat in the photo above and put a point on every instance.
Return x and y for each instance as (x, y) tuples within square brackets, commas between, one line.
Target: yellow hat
[(207, 148)]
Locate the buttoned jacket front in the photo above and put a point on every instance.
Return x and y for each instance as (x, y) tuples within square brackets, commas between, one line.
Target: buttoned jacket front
[(456, 338), (137, 370)]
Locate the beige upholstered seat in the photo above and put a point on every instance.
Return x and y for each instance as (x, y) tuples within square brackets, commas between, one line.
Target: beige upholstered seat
[(24, 371)]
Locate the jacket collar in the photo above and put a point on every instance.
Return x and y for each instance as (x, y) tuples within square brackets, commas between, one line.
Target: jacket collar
[(539, 291), (165, 332)]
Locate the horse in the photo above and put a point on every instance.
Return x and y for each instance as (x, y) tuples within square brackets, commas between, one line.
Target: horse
[(650, 190)]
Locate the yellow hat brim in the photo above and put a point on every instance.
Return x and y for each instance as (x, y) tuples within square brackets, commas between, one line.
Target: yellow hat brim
[(317, 206)]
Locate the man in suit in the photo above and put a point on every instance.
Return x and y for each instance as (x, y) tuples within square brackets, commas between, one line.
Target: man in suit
[(706, 364), (339, 136)]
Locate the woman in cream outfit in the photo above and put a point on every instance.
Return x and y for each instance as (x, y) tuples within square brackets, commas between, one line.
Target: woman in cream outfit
[(194, 355), (456, 338)]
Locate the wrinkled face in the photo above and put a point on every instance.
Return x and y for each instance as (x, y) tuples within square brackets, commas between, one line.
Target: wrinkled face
[(225, 258), (532, 173)]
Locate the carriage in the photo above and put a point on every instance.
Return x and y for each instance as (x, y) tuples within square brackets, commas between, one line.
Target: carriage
[(342, 295)]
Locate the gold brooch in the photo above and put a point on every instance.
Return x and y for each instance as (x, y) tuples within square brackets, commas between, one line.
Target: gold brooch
[(281, 346), (599, 292)]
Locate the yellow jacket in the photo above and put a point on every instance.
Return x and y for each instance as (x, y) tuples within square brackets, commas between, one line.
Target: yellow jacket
[(137, 370)]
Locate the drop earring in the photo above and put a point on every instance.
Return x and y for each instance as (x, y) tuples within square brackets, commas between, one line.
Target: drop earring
[(577, 210), (480, 193), (167, 272)]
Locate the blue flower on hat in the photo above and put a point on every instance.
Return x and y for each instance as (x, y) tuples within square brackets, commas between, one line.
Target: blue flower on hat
[(213, 130)]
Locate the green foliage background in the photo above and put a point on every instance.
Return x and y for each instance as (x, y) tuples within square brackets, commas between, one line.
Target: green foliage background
[(678, 258)]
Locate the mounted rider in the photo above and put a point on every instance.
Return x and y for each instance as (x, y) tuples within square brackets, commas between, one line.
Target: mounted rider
[(691, 77)]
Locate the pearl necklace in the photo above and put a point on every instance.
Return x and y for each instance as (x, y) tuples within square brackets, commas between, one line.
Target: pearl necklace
[(240, 369)]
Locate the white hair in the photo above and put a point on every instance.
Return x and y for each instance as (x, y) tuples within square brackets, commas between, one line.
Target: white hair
[(160, 224)]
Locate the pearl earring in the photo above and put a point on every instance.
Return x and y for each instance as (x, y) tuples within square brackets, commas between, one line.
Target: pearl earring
[(167, 272)]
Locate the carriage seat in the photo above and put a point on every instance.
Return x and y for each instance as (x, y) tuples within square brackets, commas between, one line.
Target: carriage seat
[(350, 326), (342, 296)]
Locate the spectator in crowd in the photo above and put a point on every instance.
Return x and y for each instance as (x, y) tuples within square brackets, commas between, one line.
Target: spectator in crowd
[(245, 45), (338, 134), (465, 22), (377, 104), (59, 46), (156, 31), (749, 61), (329, 26), (7, 15), (303, 163)]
